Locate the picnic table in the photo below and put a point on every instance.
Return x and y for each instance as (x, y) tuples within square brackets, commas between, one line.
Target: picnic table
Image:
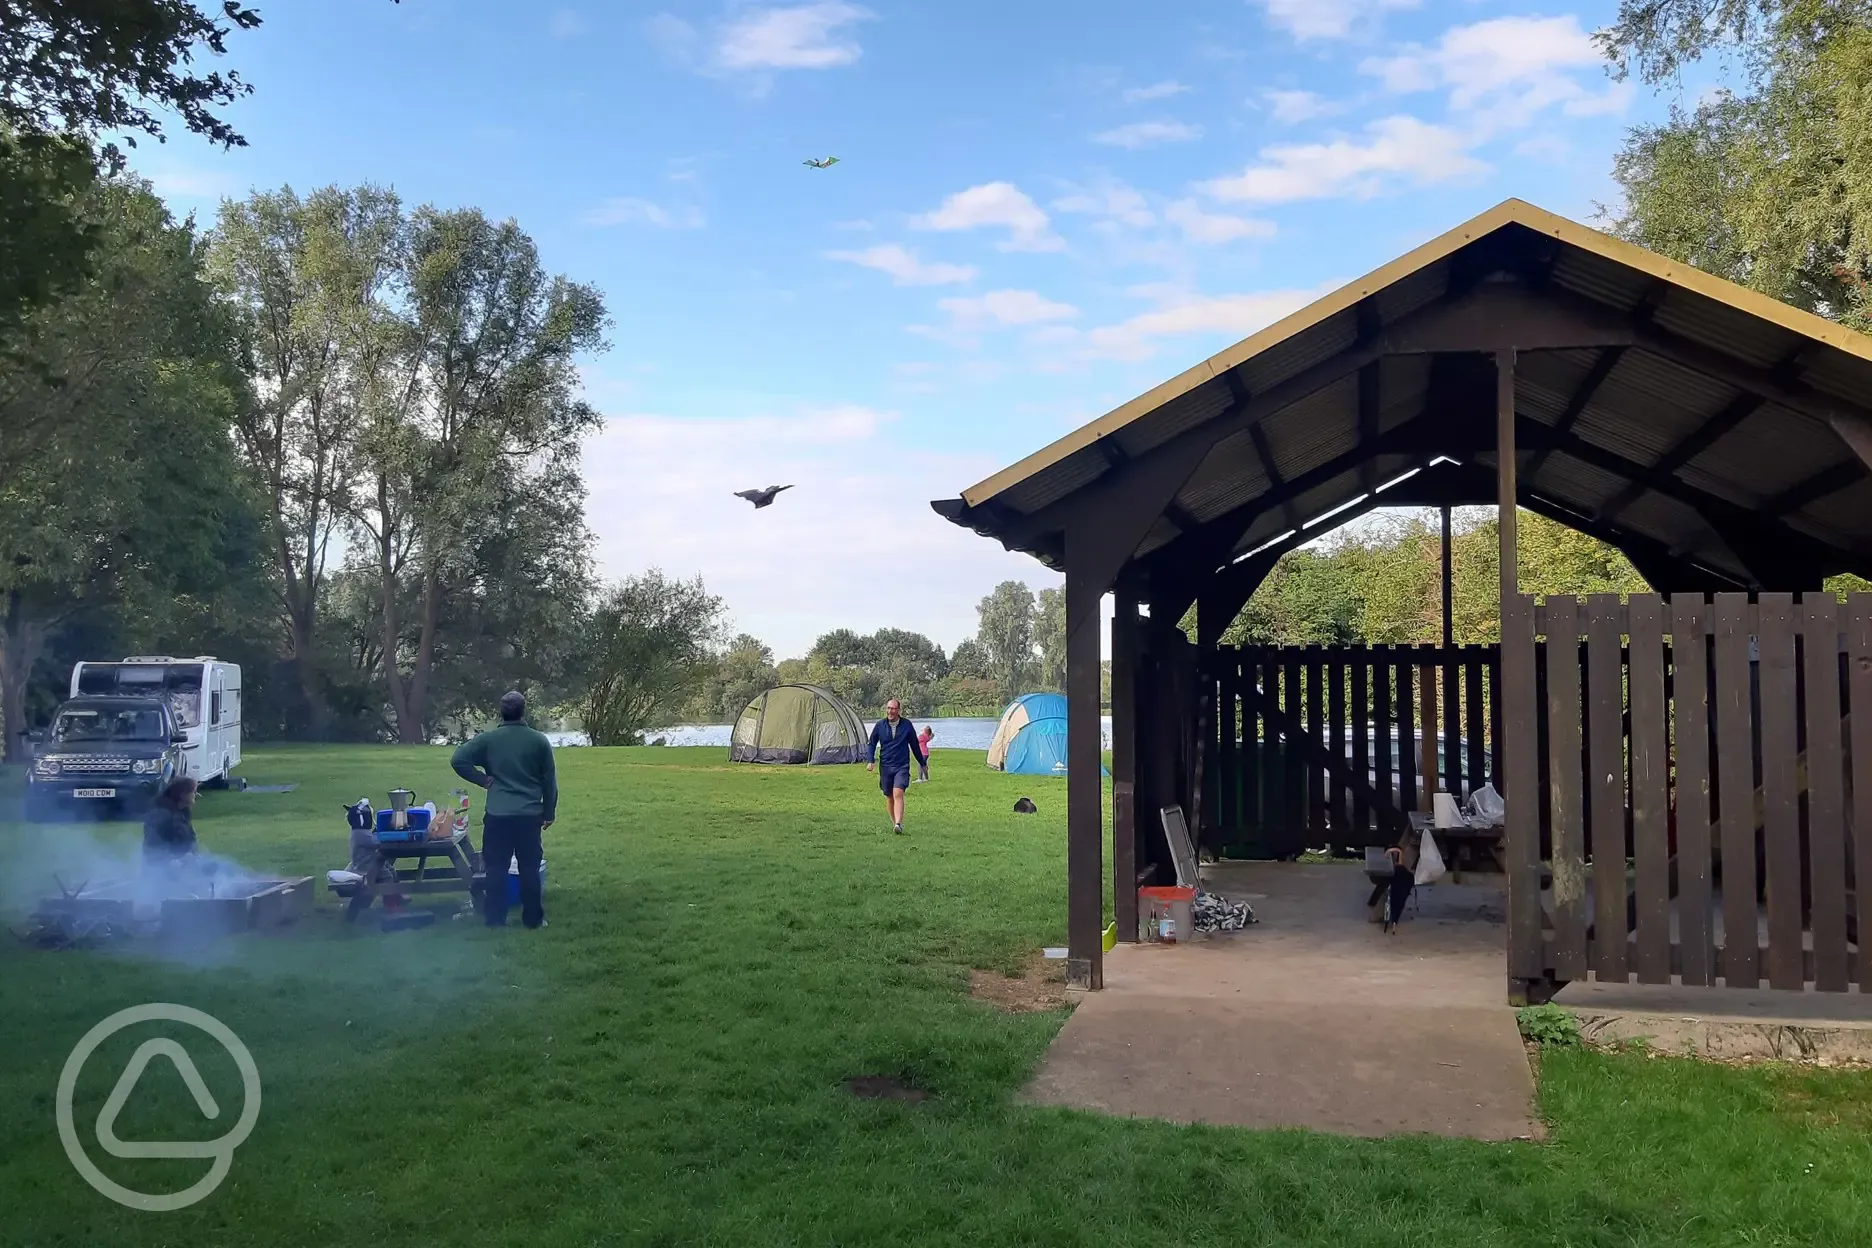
[(385, 871), (1465, 848)]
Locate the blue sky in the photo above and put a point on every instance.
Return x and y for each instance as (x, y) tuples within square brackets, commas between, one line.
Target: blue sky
[(1040, 210)]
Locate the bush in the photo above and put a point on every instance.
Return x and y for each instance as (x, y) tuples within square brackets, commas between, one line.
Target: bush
[(1549, 1026)]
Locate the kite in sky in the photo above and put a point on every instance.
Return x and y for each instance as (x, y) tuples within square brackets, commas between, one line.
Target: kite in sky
[(761, 498), (825, 162)]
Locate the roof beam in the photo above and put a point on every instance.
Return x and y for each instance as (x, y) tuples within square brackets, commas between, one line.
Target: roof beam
[(1368, 406), (1773, 553), (1174, 513), (1441, 484), (1498, 314), (1257, 434), (1827, 481), (1708, 434), (1209, 547), (1508, 316), (1772, 384), (1582, 395)]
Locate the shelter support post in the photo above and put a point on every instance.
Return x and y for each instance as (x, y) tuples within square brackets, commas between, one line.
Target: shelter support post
[(1085, 867), (1427, 735), (1505, 475), (1124, 763), (1449, 584), (1526, 958)]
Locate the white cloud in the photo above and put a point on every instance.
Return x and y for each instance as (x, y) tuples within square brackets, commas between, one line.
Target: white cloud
[(630, 210), (1156, 91), (662, 494), (1148, 134), (1397, 148), (186, 182), (676, 39), (1112, 200), (1179, 315), (1004, 307), (903, 266), (1214, 227), (1293, 107), (1505, 70), (994, 205), (806, 36), (567, 23), (1550, 147), (1328, 19)]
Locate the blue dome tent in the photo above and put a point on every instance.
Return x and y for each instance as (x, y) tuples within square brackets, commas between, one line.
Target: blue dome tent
[(1031, 738)]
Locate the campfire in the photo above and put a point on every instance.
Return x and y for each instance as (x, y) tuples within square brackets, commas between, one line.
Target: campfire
[(199, 903)]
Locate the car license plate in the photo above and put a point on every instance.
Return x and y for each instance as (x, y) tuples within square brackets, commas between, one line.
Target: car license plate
[(94, 792)]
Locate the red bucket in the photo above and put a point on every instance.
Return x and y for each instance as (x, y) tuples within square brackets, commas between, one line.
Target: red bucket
[(1166, 914)]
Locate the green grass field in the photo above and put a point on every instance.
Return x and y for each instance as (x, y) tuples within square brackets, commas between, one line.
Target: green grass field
[(663, 1065)]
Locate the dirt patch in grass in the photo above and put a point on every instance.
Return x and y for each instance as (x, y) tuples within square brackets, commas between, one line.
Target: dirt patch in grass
[(1041, 987), (884, 1088)]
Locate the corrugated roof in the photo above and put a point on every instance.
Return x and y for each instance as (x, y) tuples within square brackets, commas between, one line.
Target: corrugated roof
[(1637, 452)]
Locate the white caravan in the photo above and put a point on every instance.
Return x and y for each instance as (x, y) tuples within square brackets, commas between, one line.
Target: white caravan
[(203, 693)]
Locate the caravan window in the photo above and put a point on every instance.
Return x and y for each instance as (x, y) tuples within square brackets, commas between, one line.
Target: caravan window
[(182, 689), (214, 713)]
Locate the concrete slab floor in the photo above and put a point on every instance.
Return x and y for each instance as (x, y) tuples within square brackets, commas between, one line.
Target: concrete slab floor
[(1313, 1018)]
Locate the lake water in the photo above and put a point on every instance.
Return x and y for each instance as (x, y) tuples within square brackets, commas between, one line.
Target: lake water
[(951, 734)]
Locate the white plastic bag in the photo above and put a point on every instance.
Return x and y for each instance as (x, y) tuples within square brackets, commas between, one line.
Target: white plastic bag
[(1430, 866), (1488, 806)]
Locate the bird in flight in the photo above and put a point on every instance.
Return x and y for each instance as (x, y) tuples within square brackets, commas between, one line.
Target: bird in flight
[(761, 498), (823, 162)]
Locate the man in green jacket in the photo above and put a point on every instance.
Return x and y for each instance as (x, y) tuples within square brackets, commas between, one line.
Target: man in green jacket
[(515, 765)]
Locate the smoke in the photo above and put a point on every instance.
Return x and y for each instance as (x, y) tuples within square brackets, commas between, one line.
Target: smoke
[(49, 861)]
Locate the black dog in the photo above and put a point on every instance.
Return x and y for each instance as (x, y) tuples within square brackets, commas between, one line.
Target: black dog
[(1025, 807)]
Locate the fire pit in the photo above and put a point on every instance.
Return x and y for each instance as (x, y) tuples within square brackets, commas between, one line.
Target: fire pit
[(95, 911)]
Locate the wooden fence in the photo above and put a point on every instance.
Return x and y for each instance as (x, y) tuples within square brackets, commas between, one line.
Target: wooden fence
[(1688, 771), (1310, 746)]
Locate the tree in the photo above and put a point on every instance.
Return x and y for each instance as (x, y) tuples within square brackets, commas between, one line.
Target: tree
[(473, 393), (516, 608), (743, 669), (1050, 635), (45, 237), (1765, 185), (653, 639), (1006, 632), (307, 280), (970, 661), (126, 496), (868, 669), (104, 66), (1382, 583), (919, 659)]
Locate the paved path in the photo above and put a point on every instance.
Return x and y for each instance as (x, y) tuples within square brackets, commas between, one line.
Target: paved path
[(1313, 1018)]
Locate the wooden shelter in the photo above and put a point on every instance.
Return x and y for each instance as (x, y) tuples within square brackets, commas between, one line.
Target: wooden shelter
[(1717, 437)]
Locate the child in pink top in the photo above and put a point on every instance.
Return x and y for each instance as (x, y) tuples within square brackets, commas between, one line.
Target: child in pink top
[(923, 739)]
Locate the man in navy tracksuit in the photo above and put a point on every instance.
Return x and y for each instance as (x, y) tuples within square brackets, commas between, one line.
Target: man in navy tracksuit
[(895, 738)]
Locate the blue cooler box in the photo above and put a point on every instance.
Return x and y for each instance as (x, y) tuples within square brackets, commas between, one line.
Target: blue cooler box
[(513, 881), (418, 829)]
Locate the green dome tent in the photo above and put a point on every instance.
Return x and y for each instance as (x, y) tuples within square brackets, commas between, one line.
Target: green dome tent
[(798, 724)]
